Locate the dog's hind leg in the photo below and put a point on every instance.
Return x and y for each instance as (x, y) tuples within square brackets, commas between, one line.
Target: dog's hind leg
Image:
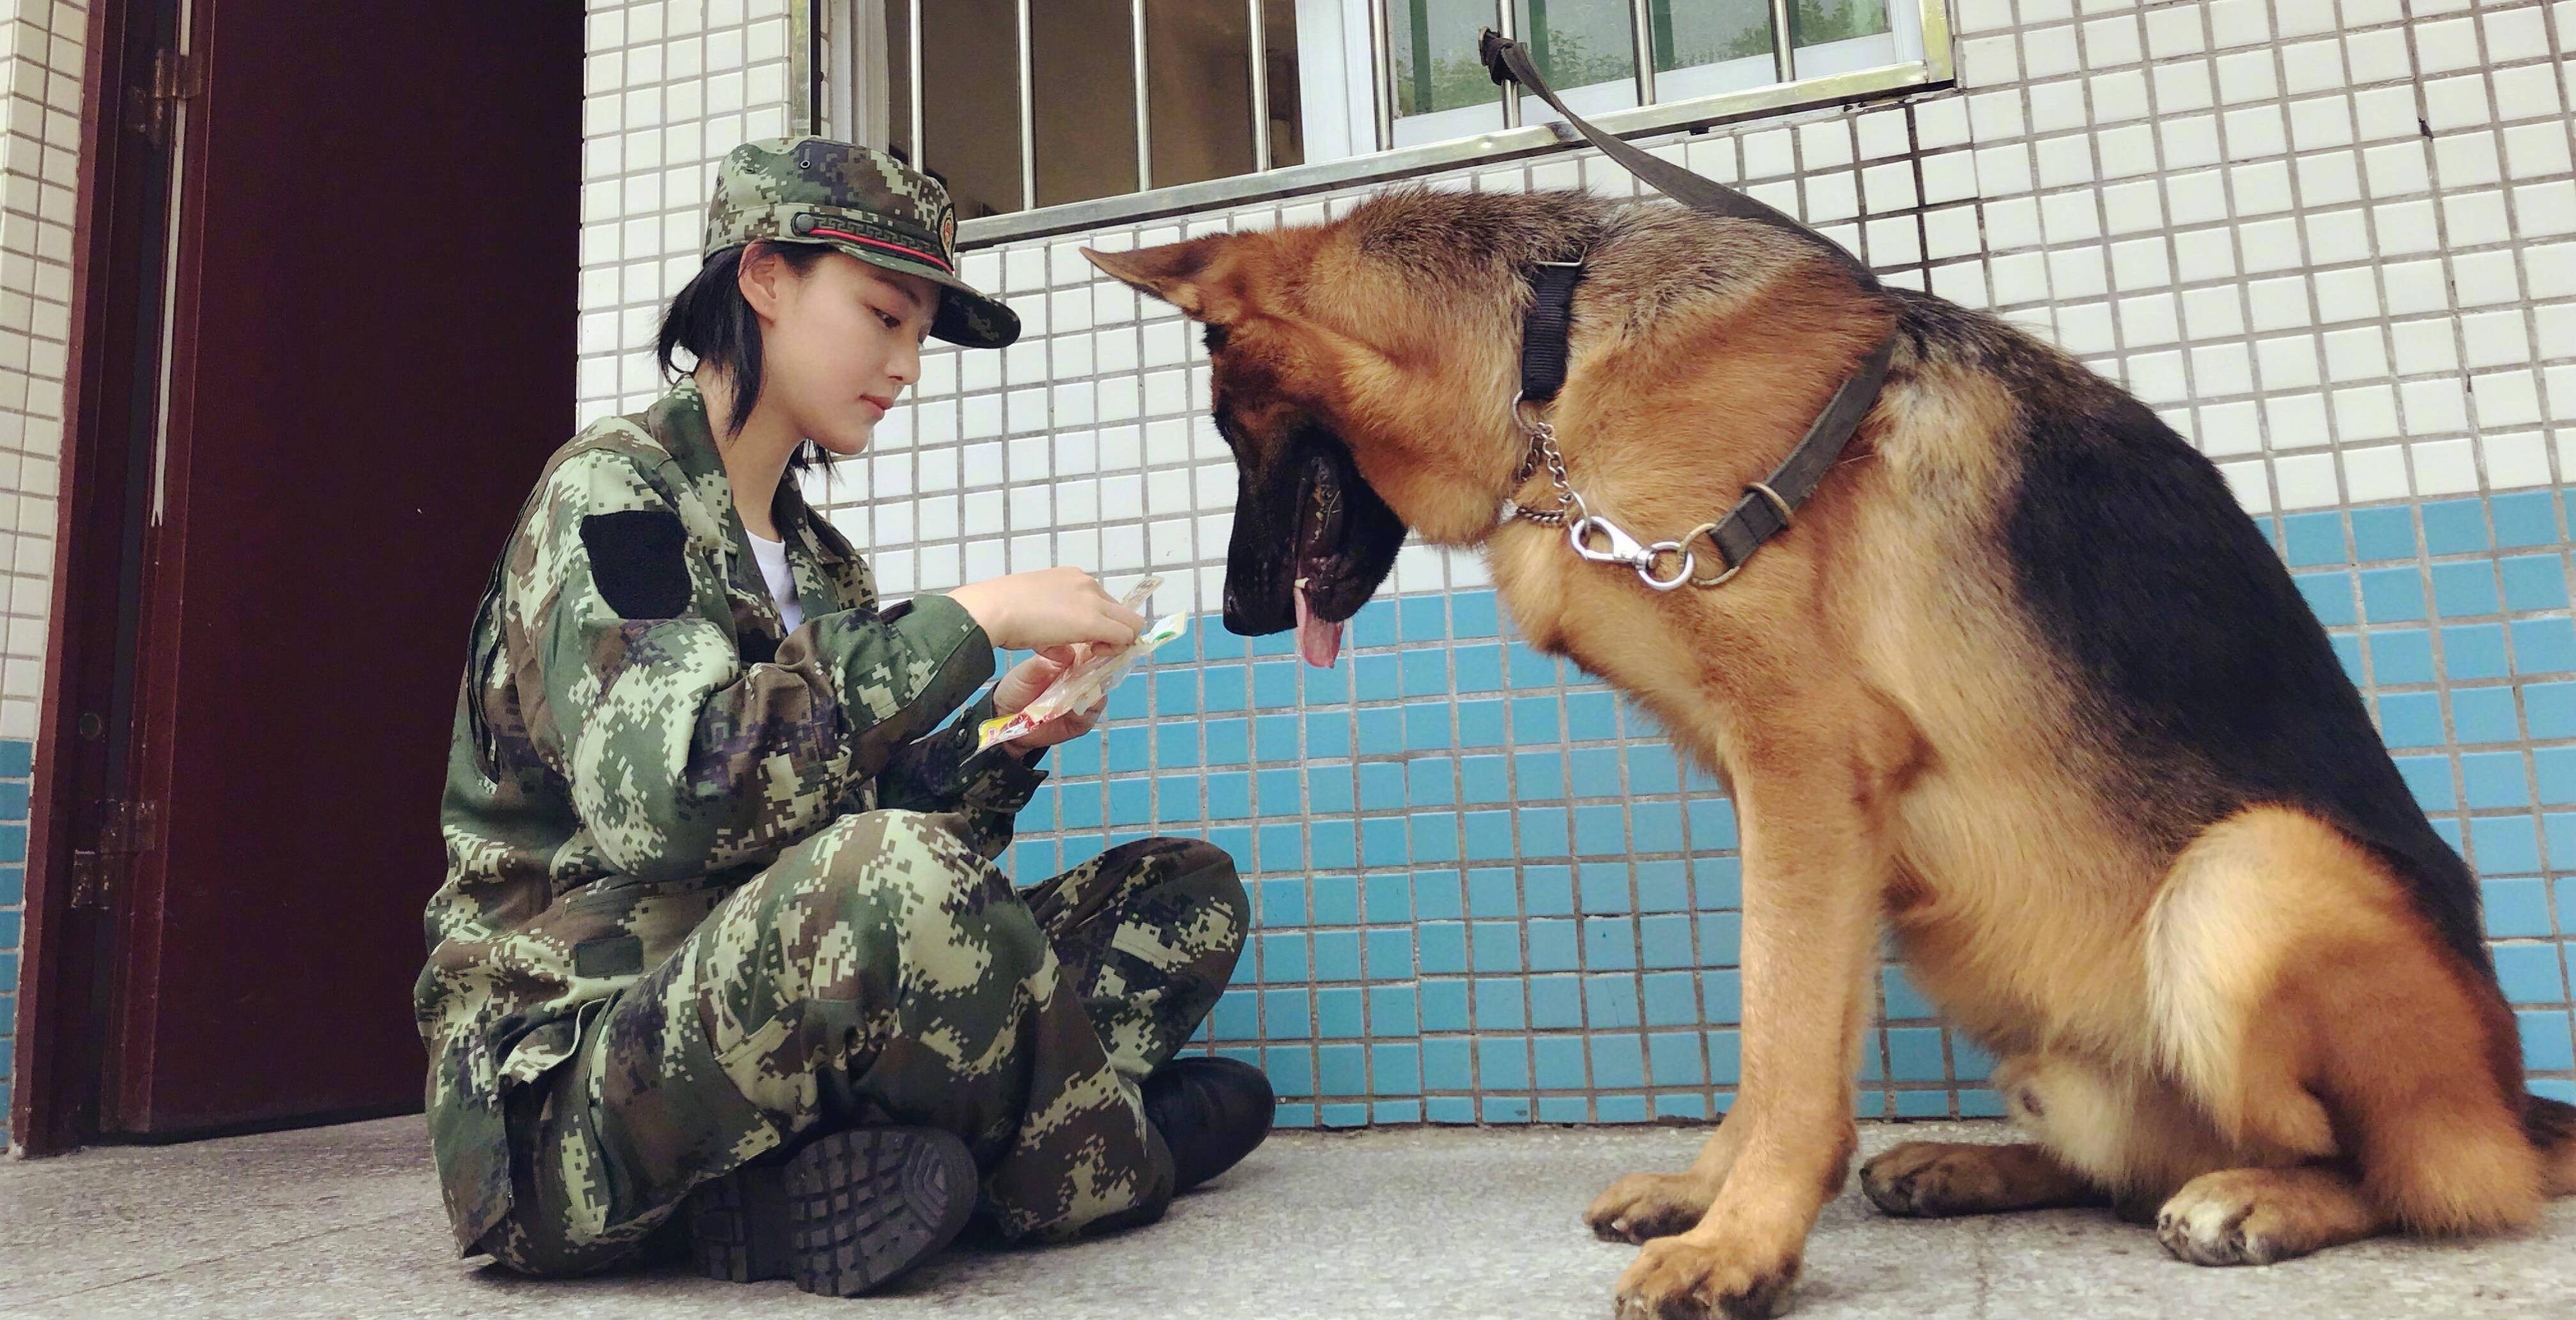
[(2258, 1216), (2366, 1073), (2128, 1139), (1939, 1178), (2133, 1135)]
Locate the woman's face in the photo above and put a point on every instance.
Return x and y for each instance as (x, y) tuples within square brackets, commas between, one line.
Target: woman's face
[(844, 342)]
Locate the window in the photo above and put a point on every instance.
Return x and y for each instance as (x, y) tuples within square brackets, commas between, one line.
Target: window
[(1045, 115)]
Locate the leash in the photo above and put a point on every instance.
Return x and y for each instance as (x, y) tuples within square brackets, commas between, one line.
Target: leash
[(1769, 506)]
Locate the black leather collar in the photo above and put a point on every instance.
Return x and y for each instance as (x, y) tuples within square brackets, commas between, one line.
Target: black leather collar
[(1767, 506)]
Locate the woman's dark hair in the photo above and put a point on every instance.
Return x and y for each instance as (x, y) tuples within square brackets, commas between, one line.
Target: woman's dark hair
[(710, 319)]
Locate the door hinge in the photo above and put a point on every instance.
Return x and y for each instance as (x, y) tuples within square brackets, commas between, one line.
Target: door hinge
[(125, 830), (175, 76)]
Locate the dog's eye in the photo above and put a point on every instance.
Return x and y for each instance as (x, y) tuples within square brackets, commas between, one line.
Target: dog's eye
[(1215, 337)]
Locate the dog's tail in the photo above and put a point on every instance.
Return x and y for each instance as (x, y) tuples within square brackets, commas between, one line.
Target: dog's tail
[(2552, 1128)]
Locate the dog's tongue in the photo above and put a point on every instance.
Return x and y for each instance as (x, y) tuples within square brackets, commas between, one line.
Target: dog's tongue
[(1318, 641)]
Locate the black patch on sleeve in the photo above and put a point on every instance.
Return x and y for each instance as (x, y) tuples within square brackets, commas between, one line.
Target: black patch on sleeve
[(608, 955), (895, 611), (639, 562)]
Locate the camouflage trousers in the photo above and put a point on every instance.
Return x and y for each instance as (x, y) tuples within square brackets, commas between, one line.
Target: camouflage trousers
[(884, 971)]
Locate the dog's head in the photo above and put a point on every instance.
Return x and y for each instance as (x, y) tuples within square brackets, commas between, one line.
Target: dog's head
[(1362, 372), (1312, 539)]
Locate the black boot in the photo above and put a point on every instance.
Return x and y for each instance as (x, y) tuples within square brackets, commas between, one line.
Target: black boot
[(1211, 1112), (845, 1214)]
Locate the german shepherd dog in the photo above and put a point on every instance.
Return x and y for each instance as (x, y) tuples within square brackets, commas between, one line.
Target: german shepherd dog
[(2023, 681)]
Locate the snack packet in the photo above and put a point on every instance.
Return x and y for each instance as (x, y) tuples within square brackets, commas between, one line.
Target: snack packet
[(1077, 688)]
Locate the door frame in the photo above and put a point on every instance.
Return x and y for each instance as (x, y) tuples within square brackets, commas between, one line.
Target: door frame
[(68, 952)]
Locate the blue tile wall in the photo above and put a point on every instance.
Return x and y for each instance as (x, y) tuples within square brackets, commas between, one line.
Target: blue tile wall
[(1486, 891), (17, 759)]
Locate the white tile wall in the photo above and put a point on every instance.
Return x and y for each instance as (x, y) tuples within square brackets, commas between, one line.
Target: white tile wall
[(668, 88)]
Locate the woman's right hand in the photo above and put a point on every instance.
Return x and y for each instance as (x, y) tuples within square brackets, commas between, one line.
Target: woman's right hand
[(1050, 607)]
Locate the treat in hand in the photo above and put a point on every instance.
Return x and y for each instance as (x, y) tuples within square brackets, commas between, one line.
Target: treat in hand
[(1089, 679)]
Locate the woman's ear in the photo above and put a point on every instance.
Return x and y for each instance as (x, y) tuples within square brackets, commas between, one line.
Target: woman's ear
[(763, 276)]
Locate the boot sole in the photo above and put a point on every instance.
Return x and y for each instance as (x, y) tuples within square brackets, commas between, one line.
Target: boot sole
[(845, 1216)]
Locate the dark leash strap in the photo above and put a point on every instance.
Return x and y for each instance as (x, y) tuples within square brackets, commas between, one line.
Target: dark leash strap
[(1767, 506)]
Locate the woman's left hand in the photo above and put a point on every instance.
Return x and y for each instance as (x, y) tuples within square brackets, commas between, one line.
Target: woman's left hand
[(1063, 728), (1030, 677)]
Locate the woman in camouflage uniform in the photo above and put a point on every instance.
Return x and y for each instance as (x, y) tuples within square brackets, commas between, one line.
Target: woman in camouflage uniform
[(722, 928)]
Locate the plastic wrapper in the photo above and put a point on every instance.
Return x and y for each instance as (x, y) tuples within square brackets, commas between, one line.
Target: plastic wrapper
[(1091, 678)]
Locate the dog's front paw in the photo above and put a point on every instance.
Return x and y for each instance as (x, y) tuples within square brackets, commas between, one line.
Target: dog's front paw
[(1682, 1278), (1644, 1206)]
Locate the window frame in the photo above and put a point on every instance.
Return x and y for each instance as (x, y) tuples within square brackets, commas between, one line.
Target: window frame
[(1516, 140)]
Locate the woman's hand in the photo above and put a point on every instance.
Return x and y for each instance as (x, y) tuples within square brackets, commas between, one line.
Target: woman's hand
[(1063, 728), (1030, 677), (1048, 608)]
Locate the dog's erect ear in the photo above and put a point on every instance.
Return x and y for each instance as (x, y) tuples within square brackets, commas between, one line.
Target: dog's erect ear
[(1201, 276)]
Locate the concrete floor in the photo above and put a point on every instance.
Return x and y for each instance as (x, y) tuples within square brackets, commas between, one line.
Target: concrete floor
[(344, 1223)]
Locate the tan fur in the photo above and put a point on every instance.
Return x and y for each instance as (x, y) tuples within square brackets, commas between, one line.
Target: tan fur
[(1900, 746)]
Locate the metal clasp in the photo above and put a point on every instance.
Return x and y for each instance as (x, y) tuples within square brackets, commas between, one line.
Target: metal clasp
[(1628, 550), (1577, 518), (1624, 549)]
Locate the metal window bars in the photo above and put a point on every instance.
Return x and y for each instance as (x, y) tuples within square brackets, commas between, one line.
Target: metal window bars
[(1258, 54), (1144, 112), (1933, 65)]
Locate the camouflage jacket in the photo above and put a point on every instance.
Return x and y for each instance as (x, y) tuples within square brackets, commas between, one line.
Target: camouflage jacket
[(636, 735)]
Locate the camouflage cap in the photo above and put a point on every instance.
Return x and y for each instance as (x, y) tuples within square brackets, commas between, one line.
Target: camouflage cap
[(863, 202)]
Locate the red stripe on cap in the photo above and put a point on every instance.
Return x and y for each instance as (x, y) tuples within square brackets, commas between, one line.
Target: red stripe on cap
[(890, 247)]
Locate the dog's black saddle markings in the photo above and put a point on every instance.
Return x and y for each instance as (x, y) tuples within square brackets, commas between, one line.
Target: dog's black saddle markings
[(1765, 509)]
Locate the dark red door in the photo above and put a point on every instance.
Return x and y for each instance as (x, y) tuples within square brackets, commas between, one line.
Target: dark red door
[(372, 352)]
